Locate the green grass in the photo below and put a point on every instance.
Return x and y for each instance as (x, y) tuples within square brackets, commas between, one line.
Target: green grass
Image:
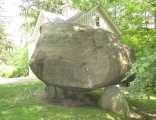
[(22, 101)]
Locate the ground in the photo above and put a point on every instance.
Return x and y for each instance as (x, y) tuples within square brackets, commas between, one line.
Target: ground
[(25, 100)]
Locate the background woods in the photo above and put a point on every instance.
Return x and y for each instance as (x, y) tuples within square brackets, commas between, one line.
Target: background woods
[(13, 58)]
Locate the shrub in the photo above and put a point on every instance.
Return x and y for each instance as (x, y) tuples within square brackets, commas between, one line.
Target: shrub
[(18, 66), (20, 61), (145, 74)]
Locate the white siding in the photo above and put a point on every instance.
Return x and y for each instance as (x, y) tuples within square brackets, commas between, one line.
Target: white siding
[(89, 19), (104, 24)]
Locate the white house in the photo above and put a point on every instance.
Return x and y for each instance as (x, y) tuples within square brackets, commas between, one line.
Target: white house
[(95, 17)]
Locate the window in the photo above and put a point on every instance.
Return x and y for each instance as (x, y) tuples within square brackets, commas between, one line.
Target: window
[(97, 21)]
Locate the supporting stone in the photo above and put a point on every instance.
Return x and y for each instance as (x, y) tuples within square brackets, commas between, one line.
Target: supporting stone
[(113, 100), (49, 91), (54, 92)]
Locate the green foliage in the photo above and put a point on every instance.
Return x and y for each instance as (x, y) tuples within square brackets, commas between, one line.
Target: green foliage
[(18, 66), (20, 61), (144, 70), (6, 47), (86, 4), (136, 29)]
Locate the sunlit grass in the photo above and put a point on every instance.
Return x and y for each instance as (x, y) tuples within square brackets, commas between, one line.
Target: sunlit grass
[(21, 101)]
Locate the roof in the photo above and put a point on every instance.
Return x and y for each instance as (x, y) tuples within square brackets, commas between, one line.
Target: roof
[(53, 17), (50, 17), (75, 17)]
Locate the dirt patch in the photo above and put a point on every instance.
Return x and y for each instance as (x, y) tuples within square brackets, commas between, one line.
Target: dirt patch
[(69, 101)]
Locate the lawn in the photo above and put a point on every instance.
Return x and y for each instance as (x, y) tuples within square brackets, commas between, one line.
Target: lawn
[(25, 101)]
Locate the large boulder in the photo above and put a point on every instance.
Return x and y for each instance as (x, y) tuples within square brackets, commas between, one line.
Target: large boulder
[(80, 58)]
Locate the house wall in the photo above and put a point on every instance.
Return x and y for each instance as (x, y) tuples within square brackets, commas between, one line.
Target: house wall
[(89, 19), (33, 41)]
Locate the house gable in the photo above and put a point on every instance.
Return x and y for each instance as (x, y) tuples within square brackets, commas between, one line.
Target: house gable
[(96, 17), (112, 25)]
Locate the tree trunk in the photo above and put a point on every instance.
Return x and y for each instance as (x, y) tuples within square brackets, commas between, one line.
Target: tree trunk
[(155, 18)]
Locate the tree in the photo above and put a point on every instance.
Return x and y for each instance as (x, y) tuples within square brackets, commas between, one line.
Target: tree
[(153, 8), (5, 45), (30, 10), (18, 66), (13, 61), (144, 70), (1, 8), (136, 29), (145, 67)]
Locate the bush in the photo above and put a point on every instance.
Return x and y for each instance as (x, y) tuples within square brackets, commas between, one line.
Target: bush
[(145, 74), (18, 66), (6, 71)]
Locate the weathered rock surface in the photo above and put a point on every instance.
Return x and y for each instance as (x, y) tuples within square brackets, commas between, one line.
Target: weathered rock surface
[(113, 100), (82, 58)]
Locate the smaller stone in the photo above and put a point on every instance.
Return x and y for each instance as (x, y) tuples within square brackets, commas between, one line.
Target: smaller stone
[(49, 91), (113, 100), (53, 92)]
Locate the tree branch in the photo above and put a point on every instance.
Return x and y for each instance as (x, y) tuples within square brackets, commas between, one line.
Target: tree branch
[(153, 4)]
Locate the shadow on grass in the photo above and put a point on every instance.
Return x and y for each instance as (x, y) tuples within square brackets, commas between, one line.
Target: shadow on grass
[(144, 109), (25, 101)]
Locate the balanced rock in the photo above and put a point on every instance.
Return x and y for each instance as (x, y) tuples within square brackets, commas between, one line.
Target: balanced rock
[(113, 100), (80, 58)]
